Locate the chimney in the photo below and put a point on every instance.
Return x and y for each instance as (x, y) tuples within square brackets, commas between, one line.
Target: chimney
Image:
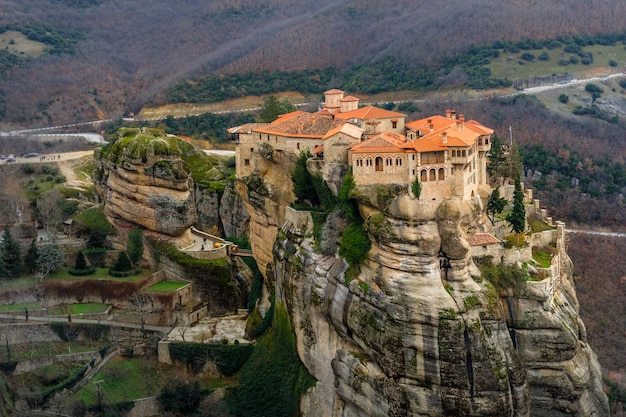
[(444, 137), (462, 118), (300, 127), (431, 127), (448, 113), (459, 126), (453, 114)]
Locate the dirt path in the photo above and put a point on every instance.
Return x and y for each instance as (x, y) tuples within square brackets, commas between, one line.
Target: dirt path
[(71, 160)]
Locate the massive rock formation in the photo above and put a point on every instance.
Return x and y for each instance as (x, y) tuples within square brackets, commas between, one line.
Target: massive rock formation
[(145, 182), (419, 331)]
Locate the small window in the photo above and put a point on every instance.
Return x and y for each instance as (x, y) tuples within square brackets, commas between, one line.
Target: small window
[(394, 124), (251, 149), (246, 162), (298, 145), (413, 157), (368, 162), (398, 162), (486, 141)]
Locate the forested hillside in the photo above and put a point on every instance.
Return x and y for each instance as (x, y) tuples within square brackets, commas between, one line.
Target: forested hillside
[(68, 60)]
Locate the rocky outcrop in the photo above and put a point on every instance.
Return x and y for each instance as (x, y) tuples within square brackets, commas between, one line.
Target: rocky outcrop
[(145, 182), (419, 332)]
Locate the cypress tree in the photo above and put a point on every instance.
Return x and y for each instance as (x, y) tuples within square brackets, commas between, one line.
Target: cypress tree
[(517, 216), (135, 246), (81, 263), (11, 254)]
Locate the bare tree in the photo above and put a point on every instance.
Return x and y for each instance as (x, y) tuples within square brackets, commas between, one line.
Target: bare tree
[(49, 208)]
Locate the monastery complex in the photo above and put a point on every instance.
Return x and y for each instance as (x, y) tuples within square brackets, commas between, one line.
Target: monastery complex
[(447, 153)]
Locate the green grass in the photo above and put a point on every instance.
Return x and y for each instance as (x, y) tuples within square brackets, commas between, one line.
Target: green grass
[(21, 307), (82, 308), (537, 226), (166, 286), (507, 66), (125, 379), (542, 258)]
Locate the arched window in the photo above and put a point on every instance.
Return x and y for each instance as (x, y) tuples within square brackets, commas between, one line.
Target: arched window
[(388, 161), (433, 175), (442, 174), (379, 163), (399, 162), (423, 176), (359, 162), (368, 162)]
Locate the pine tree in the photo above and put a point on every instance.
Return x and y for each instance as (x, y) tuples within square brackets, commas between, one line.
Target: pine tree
[(30, 260), (496, 204), (11, 254), (517, 216), (122, 264)]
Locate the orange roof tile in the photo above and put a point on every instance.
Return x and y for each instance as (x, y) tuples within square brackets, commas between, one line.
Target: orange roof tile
[(368, 112), (333, 91), (481, 239), (384, 142), (349, 98), (345, 128), (318, 149), (300, 124)]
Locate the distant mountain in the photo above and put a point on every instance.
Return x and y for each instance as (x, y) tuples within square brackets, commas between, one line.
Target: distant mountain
[(70, 60)]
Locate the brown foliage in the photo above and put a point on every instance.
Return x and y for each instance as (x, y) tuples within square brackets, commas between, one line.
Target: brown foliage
[(600, 278), (121, 64)]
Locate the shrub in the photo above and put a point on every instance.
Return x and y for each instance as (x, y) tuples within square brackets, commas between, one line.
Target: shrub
[(228, 359), (180, 396), (122, 267), (564, 98), (612, 63)]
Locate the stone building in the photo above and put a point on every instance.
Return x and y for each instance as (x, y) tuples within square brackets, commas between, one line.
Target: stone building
[(447, 154)]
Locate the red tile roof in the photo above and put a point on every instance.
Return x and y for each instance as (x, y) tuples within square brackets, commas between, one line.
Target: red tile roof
[(383, 142), (300, 124), (368, 112), (482, 239)]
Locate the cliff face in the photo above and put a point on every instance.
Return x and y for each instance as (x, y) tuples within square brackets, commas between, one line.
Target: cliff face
[(419, 331)]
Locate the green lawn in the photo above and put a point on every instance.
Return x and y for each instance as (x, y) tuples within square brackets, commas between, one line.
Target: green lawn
[(542, 258), (125, 379), (84, 308), (166, 286)]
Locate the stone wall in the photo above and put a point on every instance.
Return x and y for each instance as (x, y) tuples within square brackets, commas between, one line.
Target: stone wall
[(29, 365)]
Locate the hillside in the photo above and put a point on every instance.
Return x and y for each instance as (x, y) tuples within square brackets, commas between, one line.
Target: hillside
[(85, 59)]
